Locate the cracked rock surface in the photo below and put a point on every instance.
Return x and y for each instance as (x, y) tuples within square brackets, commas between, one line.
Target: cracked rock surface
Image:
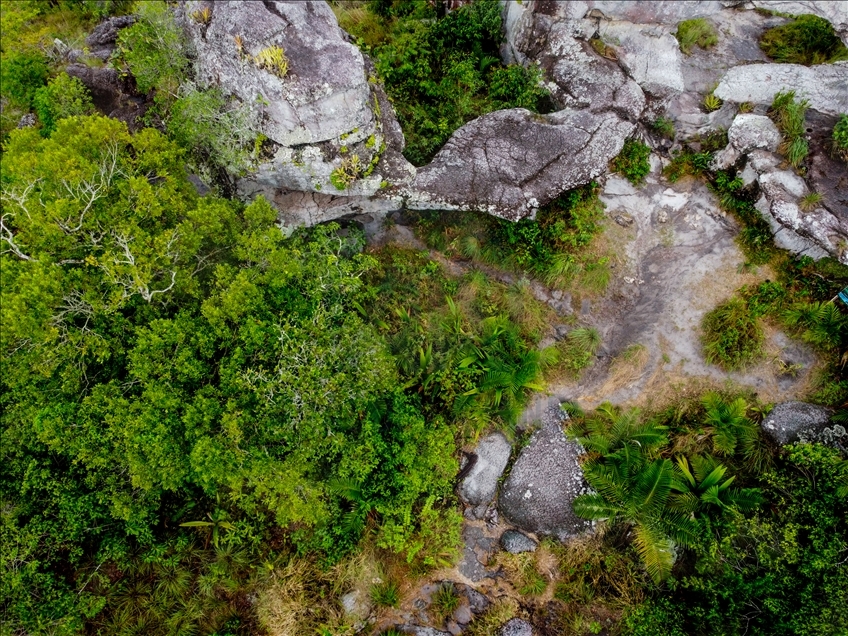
[(544, 481)]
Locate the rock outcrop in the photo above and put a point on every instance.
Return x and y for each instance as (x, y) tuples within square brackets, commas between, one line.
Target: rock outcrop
[(544, 481), (510, 162), (790, 421), (324, 113)]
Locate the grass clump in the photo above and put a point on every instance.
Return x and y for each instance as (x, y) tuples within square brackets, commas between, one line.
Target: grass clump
[(632, 161), (386, 594), (840, 138), (445, 601), (789, 115), (687, 162), (810, 201), (732, 337), (698, 31), (808, 40)]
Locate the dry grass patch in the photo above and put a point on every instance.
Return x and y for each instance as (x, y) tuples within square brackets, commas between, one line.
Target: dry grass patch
[(626, 368)]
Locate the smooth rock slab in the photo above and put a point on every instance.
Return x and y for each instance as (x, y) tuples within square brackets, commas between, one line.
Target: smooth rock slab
[(544, 480), (516, 627), (516, 542), (790, 421), (511, 162), (825, 86), (481, 482)]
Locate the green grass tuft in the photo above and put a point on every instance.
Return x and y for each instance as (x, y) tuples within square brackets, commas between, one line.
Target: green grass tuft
[(698, 31), (732, 337), (789, 115), (807, 40)]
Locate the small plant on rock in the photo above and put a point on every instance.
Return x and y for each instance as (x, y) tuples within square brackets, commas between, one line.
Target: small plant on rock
[(445, 600), (808, 40), (732, 336), (632, 161), (348, 172), (712, 102), (698, 31), (665, 127), (746, 107), (810, 202), (386, 594), (840, 138), (789, 115), (273, 59), (202, 16)]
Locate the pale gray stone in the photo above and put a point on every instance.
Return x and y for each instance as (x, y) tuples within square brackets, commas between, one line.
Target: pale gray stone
[(510, 162), (516, 627), (649, 54), (825, 86), (481, 482), (516, 542), (749, 132)]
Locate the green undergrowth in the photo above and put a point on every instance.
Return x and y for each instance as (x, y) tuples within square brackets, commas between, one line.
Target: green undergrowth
[(632, 162), (557, 247), (440, 70), (807, 39), (700, 517), (840, 138), (733, 337)]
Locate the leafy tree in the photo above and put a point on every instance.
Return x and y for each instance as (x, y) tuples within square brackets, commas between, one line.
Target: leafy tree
[(64, 96)]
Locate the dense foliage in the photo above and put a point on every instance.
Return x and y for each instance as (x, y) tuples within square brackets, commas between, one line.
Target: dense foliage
[(632, 161), (806, 39), (441, 70)]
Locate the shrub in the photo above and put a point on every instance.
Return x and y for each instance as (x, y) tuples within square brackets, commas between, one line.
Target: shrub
[(808, 39), (698, 31), (154, 48), (21, 75), (732, 336), (840, 138), (632, 161), (64, 96)]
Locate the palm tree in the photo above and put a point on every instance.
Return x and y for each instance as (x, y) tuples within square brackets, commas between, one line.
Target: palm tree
[(635, 491), (733, 432), (701, 484)]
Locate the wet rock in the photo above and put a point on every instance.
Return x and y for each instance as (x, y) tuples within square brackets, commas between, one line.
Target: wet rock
[(516, 627), (510, 162), (825, 86), (790, 421), (544, 480), (748, 132), (481, 482), (516, 542)]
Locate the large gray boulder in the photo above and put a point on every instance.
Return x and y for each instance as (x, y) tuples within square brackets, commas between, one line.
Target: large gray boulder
[(481, 483), (790, 421), (544, 481), (649, 54), (825, 86), (510, 162), (323, 114)]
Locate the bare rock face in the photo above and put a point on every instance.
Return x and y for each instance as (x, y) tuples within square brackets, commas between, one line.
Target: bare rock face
[(481, 483), (322, 114), (825, 86), (749, 132), (510, 162), (544, 481)]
